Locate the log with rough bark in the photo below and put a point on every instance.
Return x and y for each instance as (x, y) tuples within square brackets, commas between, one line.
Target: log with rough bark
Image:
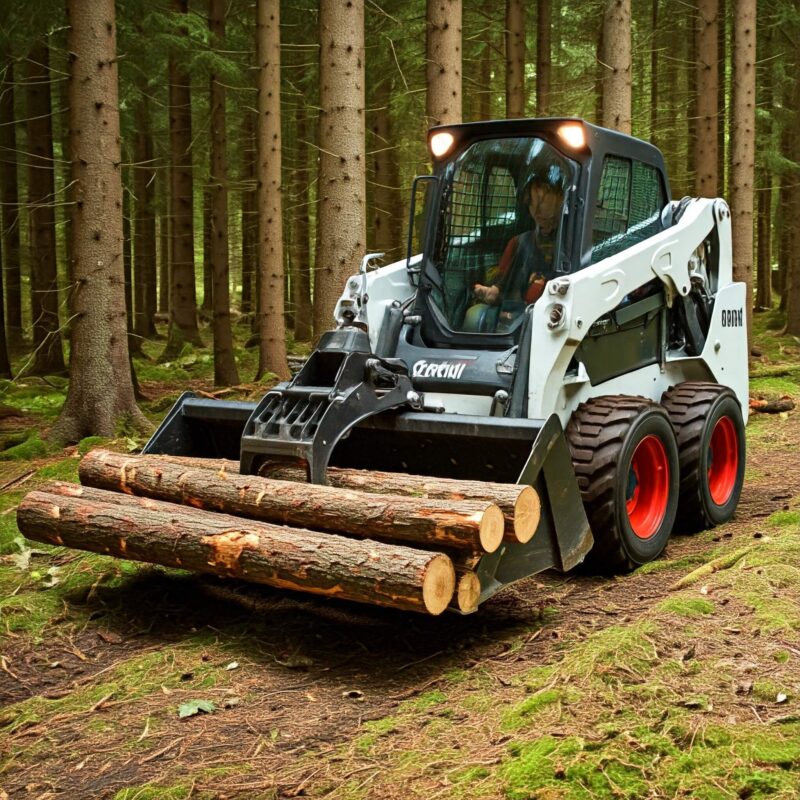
[(153, 531), (468, 524), (520, 504)]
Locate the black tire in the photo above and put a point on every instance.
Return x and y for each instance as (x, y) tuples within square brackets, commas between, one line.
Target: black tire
[(707, 419), (604, 435)]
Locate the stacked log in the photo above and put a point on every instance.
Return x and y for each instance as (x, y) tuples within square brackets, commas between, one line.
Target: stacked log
[(467, 524), (202, 515), (520, 504), (178, 536)]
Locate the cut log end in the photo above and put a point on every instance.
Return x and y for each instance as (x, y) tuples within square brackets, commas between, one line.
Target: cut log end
[(468, 592), (438, 585), (527, 512), (491, 528)]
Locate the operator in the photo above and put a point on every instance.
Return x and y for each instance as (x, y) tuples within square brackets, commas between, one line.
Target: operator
[(527, 262)]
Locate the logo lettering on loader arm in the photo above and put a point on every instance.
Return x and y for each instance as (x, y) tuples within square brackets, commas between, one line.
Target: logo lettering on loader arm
[(732, 317), (448, 370)]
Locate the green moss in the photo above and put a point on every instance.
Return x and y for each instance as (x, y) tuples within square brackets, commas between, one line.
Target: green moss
[(687, 606), (782, 656), (687, 562), (33, 447), (766, 690), (151, 791), (428, 699), (773, 388), (520, 715), (64, 470), (784, 519), (90, 442)]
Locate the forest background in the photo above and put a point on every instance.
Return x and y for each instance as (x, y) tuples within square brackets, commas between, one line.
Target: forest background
[(231, 118)]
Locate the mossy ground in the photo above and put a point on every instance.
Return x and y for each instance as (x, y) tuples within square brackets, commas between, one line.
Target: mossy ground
[(566, 687)]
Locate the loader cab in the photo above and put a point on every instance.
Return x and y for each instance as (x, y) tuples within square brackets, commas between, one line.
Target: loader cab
[(482, 229)]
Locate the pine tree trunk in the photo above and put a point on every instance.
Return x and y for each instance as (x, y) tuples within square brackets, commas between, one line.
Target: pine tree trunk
[(654, 75), (743, 149), (707, 64), (134, 344), (443, 57), (183, 295), (515, 59), (48, 354), (543, 58), (100, 393), (791, 212), (272, 344), (144, 251), (301, 287), (225, 372), (387, 221), (249, 211), (485, 99), (208, 270), (764, 217), (722, 97), (617, 64), (342, 212), (164, 240), (9, 199), (5, 364)]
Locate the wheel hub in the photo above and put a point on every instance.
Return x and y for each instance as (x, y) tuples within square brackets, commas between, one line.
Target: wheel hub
[(723, 461), (647, 490)]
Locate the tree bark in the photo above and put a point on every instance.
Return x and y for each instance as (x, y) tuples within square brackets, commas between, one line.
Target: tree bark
[(134, 344), (272, 344), (791, 211), (301, 287), (616, 62), (5, 364), (225, 372), (443, 59), (164, 238), (48, 353), (183, 295), (207, 306), (743, 149), (144, 251), (764, 216), (485, 99), (515, 59), (472, 525), (520, 504), (386, 218), (218, 544), (341, 215), (543, 58), (9, 199), (249, 211), (722, 97), (707, 70), (100, 393)]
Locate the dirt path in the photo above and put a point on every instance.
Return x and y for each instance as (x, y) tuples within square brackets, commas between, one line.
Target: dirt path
[(308, 673)]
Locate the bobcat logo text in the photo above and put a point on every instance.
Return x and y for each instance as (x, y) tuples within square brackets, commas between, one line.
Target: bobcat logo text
[(732, 317), (450, 370)]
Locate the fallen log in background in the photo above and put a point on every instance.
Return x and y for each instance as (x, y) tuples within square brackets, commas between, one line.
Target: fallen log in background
[(468, 524), (520, 505), (153, 531)]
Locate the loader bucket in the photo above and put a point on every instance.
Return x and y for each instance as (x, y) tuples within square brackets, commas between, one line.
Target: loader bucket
[(198, 427)]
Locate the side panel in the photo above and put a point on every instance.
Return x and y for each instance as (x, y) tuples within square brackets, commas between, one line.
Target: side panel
[(587, 295)]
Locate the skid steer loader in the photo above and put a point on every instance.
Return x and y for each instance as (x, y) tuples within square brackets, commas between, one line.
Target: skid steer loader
[(558, 322)]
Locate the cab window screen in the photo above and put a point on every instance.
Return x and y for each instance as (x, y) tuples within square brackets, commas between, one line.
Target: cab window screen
[(484, 206), (628, 208)]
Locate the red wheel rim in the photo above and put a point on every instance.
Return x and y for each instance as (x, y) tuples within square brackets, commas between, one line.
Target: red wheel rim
[(723, 461), (648, 487)]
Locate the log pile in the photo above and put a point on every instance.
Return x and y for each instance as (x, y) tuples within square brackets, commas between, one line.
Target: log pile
[(396, 540)]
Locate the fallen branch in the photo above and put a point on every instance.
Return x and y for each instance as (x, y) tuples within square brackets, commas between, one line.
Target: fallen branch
[(715, 565)]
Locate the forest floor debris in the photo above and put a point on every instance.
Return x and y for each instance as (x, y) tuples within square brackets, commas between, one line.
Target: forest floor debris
[(572, 686)]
